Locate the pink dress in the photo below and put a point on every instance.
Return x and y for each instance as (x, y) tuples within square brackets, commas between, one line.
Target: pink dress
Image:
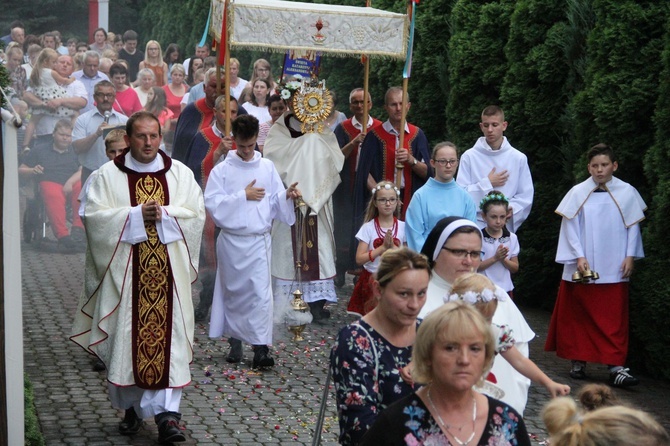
[(174, 101)]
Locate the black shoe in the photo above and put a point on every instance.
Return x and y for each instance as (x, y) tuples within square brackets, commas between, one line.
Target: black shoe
[(99, 366), (78, 234), (621, 378), (317, 310), (201, 314), (262, 357), (67, 245), (339, 280), (578, 373), (235, 353), (168, 427), (131, 423)]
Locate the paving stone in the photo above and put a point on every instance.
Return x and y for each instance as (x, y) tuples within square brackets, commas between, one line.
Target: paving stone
[(225, 404)]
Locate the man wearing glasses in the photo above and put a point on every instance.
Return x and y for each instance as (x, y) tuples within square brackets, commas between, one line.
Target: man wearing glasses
[(440, 197), (87, 137)]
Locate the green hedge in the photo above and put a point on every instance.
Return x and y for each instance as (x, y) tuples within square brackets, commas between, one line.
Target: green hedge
[(32, 426)]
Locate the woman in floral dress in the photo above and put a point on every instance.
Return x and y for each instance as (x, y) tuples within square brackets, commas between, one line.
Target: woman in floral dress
[(453, 351), (368, 354)]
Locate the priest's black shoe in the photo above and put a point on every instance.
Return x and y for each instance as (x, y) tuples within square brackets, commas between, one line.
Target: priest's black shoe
[(235, 353), (131, 423), (99, 366), (262, 357), (168, 427)]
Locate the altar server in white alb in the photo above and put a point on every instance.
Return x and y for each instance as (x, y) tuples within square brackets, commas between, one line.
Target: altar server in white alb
[(492, 163), (600, 232), (244, 194)]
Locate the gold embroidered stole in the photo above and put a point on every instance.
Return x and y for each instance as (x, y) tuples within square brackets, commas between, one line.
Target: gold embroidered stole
[(152, 288)]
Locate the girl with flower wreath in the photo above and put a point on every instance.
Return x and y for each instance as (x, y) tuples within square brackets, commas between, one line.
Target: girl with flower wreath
[(381, 231), (479, 291), (499, 245)]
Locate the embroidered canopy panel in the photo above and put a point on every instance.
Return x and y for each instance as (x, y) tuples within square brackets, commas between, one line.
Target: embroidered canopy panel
[(334, 29)]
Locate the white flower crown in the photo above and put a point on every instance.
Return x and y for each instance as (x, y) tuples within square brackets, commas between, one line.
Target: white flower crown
[(386, 186), (472, 297)]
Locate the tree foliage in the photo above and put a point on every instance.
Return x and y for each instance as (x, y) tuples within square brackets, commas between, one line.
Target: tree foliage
[(534, 96), (617, 103), (477, 64), (650, 303)]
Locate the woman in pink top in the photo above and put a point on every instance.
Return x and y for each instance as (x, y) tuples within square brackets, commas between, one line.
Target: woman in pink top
[(175, 90), (157, 106), (127, 101)]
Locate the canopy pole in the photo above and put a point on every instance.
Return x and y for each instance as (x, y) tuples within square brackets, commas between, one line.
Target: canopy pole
[(226, 48), (401, 139), (403, 120), (366, 82)]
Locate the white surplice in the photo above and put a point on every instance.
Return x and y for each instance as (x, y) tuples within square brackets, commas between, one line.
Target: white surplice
[(601, 227), (475, 166), (243, 306)]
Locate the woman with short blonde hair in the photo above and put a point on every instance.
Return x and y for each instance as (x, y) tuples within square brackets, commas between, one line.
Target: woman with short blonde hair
[(453, 351)]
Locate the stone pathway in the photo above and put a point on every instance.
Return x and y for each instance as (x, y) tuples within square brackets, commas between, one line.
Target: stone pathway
[(225, 405)]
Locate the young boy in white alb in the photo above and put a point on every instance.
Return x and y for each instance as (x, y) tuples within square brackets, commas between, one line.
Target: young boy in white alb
[(244, 195), (492, 163)]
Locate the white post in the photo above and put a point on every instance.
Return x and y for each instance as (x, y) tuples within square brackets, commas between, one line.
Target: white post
[(12, 283), (103, 14)]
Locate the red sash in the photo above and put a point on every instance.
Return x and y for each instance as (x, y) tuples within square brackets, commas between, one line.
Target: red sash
[(208, 162), (388, 142), (352, 132), (206, 113), (209, 233)]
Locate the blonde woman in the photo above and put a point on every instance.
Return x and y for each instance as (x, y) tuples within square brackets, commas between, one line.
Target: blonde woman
[(176, 89), (453, 351), (607, 426), (153, 60)]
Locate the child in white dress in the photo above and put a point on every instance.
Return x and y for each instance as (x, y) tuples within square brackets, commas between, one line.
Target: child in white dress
[(500, 246), (381, 231), (46, 83)]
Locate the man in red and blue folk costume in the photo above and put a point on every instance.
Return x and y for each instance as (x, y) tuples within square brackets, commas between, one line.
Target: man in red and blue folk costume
[(349, 136), (380, 153)]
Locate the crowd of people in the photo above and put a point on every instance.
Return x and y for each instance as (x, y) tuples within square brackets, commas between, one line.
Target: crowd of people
[(135, 145)]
